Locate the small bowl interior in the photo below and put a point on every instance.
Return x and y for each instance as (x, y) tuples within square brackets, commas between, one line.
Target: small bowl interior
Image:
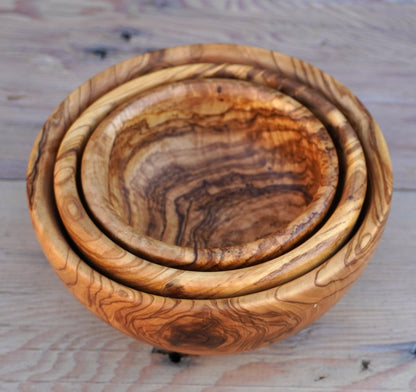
[(210, 164)]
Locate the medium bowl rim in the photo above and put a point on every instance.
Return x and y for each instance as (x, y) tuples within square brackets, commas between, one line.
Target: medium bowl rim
[(146, 275)]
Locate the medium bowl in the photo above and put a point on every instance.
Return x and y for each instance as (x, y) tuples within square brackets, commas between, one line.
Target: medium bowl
[(230, 324), (127, 268)]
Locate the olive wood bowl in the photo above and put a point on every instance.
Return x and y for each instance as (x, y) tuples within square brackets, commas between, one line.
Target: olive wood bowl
[(210, 326), (116, 262), (218, 171)]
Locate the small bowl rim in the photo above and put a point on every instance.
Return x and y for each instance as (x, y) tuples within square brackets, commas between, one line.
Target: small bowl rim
[(94, 174)]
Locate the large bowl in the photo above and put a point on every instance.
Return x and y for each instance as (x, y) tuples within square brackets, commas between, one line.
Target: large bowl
[(201, 325)]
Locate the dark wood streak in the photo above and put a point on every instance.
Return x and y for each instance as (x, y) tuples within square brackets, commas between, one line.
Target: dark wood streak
[(33, 167), (31, 176), (174, 177)]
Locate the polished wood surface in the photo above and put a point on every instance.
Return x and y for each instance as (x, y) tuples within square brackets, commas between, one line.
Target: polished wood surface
[(50, 342), (202, 326), (206, 164), (150, 277)]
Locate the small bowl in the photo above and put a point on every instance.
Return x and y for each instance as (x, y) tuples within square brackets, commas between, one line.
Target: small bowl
[(208, 174), (207, 326), (127, 268)]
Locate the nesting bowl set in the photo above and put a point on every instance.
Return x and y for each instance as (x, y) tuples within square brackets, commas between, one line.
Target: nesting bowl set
[(210, 198)]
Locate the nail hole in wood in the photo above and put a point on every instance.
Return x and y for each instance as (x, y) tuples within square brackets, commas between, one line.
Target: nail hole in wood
[(365, 365), (126, 35), (100, 52)]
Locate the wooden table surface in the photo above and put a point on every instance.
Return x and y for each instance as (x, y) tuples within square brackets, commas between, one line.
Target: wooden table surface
[(49, 341)]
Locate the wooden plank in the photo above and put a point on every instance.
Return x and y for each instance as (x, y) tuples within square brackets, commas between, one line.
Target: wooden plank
[(49, 341), (48, 50)]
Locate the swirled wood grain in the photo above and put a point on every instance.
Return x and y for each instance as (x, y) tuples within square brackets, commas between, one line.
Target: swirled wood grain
[(205, 164), (237, 324), (140, 273)]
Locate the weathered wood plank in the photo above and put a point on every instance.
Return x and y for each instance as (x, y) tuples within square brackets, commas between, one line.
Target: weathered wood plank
[(49, 341)]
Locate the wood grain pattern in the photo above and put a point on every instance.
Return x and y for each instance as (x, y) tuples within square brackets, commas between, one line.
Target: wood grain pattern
[(208, 164), (229, 324), (150, 277), (50, 342)]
